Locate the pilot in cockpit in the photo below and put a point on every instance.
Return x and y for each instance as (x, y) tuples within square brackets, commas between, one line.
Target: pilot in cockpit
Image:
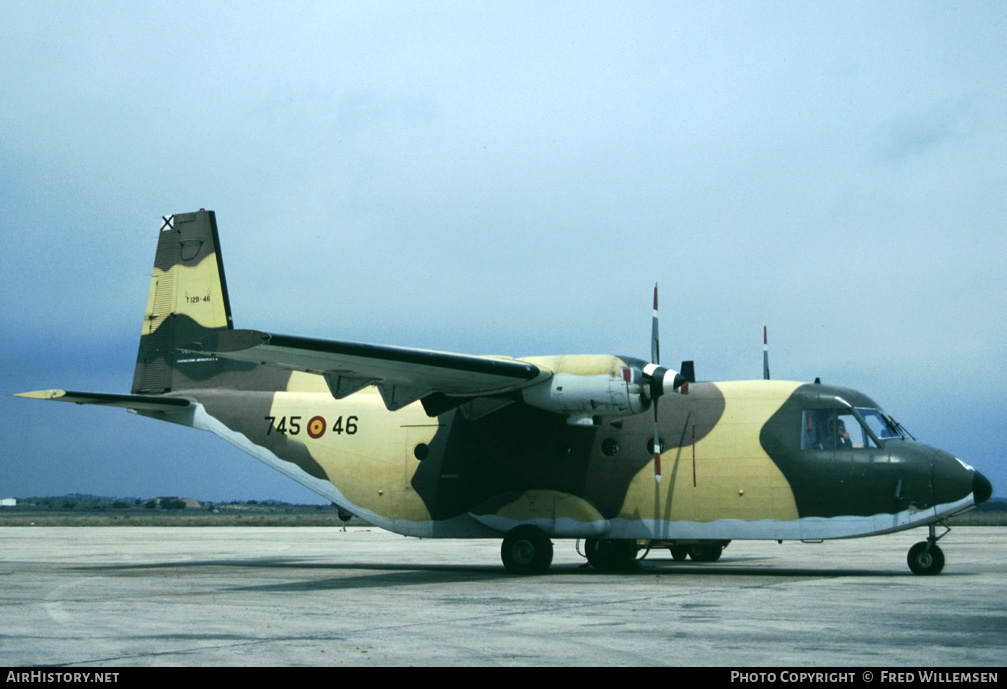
[(844, 436)]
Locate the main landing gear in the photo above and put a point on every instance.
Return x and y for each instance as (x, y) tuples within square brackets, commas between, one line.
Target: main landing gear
[(610, 555), (526, 550), (698, 552), (926, 558)]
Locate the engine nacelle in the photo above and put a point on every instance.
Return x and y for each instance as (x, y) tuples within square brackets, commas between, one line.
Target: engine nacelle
[(586, 396), (583, 387)]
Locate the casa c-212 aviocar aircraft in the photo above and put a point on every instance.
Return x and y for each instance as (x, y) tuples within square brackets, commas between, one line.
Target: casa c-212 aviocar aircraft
[(610, 449)]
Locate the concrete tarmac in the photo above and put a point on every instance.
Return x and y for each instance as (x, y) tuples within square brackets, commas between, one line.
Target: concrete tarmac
[(134, 596)]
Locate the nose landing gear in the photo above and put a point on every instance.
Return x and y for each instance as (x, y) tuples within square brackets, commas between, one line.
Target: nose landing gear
[(926, 558)]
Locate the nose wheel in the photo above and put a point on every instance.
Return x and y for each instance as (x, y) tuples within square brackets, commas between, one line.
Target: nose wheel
[(926, 558)]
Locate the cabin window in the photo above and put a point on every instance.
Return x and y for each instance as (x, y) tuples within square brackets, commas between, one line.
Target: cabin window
[(833, 429)]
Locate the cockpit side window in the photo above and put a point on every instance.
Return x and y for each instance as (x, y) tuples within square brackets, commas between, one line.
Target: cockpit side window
[(833, 429), (818, 431), (849, 433)]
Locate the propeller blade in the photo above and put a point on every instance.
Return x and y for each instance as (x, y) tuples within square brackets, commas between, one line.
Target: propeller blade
[(655, 347), (765, 354), (657, 448)]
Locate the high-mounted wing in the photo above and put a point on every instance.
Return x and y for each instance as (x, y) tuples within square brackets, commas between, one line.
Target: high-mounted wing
[(402, 375)]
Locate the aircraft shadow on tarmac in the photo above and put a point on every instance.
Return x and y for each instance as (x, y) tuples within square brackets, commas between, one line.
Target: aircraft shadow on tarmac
[(387, 574)]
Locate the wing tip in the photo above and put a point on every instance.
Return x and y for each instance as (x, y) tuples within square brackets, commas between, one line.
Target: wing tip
[(42, 394)]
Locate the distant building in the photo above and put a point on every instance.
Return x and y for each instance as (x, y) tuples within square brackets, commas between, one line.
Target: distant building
[(8, 502), (178, 503)]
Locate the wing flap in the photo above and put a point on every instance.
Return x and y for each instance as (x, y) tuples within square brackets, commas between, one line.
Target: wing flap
[(344, 386)]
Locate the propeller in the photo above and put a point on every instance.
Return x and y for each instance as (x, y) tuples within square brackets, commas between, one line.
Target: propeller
[(658, 381), (655, 357)]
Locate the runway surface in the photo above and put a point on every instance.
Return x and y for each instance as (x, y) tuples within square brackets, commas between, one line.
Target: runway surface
[(133, 596)]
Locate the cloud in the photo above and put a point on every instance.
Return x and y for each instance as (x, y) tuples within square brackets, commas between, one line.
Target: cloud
[(912, 134)]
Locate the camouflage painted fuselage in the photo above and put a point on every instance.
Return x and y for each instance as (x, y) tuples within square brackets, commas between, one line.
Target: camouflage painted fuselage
[(733, 465), (736, 464)]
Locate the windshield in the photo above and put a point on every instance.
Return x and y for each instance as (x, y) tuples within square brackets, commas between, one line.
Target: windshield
[(879, 424)]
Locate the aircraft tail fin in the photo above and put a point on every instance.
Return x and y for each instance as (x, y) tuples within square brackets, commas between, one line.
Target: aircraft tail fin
[(187, 301)]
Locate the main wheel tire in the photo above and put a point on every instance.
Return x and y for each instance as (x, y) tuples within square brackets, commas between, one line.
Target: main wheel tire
[(924, 562), (526, 550), (705, 552), (680, 553), (611, 555)]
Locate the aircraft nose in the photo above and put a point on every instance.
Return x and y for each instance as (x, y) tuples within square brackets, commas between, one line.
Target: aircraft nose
[(982, 489)]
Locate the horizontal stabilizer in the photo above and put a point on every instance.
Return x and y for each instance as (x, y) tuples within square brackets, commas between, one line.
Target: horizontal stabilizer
[(401, 374), (144, 402)]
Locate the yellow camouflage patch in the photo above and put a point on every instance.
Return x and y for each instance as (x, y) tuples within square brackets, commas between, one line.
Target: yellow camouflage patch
[(730, 476)]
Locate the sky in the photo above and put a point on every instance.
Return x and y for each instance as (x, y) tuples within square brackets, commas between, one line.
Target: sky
[(505, 178)]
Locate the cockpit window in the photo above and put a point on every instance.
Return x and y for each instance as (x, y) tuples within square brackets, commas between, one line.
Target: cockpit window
[(833, 429), (818, 429), (880, 424)]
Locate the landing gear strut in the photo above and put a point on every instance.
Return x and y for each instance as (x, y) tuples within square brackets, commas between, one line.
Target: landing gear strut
[(926, 558)]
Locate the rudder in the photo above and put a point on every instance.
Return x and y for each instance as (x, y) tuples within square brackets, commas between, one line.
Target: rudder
[(187, 301)]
